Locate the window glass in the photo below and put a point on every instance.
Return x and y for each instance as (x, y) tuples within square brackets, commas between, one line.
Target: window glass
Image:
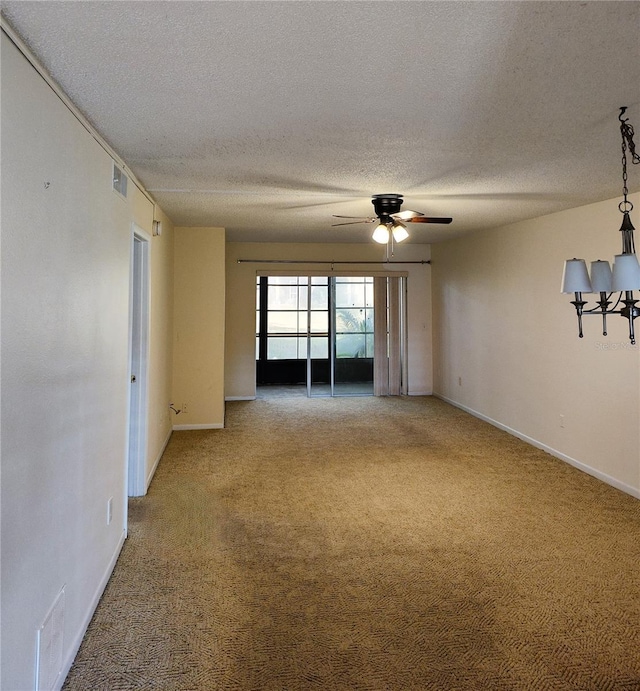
[(288, 316), (350, 295), (303, 294), (368, 292), (284, 280), (351, 345), (319, 297), (319, 322), (286, 322), (351, 320), (369, 340), (282, 347), (320, 347), (282, 298)]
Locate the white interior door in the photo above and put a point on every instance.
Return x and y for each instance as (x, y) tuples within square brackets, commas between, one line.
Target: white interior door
[(139, 347)]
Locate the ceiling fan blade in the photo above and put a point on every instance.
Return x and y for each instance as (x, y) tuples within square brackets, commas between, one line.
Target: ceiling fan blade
[(363, 218), (350, 223), (427, 219), (407, 214)]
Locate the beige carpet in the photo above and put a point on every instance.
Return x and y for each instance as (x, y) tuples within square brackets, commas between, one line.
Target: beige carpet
[(368, 543)]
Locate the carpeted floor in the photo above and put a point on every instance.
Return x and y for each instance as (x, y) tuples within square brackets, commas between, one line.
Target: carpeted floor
[(368, 543)]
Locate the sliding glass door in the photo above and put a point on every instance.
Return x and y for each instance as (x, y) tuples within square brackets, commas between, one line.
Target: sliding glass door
[(338, 335)]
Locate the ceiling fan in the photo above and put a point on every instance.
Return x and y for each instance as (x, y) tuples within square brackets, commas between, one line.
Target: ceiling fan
[(391, 221)]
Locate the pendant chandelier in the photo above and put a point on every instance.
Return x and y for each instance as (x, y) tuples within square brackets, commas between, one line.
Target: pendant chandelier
[(625, 276)]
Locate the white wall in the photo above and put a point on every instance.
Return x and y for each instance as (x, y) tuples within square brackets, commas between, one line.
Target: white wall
[(503, 329), (240, 369), (199, 300), (65, 328)]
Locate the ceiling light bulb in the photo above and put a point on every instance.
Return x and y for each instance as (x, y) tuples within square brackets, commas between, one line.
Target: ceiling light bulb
[(381, 234), (400, 231)]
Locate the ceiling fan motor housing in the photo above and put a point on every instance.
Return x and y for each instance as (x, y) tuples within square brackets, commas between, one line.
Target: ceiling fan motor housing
[(386, 204)]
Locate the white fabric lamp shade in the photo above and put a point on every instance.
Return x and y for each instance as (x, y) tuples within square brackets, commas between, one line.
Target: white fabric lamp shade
[(626, 273), (381, 234), (601, 277), (576, 277)]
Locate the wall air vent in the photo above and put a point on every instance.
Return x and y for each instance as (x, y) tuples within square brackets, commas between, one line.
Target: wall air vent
[(119, 181), (49, 647)]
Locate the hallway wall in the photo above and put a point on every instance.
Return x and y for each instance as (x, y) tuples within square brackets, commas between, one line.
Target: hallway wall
[(66, 244)]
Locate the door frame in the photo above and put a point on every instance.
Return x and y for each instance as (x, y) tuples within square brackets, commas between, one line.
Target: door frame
[(139, 296)]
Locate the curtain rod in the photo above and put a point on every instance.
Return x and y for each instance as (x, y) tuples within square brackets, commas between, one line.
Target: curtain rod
[(317, 261)]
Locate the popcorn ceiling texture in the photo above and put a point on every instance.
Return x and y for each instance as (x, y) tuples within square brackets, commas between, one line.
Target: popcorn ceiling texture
[(268, 117)]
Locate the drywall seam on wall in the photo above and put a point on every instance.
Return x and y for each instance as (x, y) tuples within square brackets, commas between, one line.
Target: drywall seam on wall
[(544, 447)]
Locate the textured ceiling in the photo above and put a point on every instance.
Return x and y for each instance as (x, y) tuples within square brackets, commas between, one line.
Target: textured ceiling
[(268, 117)]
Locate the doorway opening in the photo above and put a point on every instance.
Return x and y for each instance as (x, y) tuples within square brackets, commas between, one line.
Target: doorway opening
[(330, 335), (138, 363)]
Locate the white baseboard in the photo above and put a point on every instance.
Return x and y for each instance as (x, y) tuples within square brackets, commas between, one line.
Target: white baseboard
[(90, 612), (420, 393), (623, 487), (213, 425), (152, 472), (240, 398)]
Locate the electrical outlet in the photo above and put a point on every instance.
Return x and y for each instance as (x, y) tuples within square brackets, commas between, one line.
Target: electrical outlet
[(109, 510), (184, 407), (459, 381), (562, 421)]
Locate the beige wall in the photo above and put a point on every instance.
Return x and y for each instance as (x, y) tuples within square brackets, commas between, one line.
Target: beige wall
[(66, 257), (506, 345), (199, 303), (240, 374), (161, 334)]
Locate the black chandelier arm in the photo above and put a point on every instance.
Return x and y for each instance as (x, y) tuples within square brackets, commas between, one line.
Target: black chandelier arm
[(630, 311), (604, 298), (579, 304)]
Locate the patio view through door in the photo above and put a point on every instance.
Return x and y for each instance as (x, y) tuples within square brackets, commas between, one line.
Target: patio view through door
[(322, 332)]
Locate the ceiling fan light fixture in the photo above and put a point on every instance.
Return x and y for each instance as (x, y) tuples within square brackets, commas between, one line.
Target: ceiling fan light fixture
[(399, 231), (381, 234)]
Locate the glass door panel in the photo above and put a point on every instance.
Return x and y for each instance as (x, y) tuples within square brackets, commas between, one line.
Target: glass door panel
[(353, 336), (318, 360)]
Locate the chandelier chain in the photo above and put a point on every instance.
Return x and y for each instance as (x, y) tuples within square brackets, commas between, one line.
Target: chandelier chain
[(627, 132)]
